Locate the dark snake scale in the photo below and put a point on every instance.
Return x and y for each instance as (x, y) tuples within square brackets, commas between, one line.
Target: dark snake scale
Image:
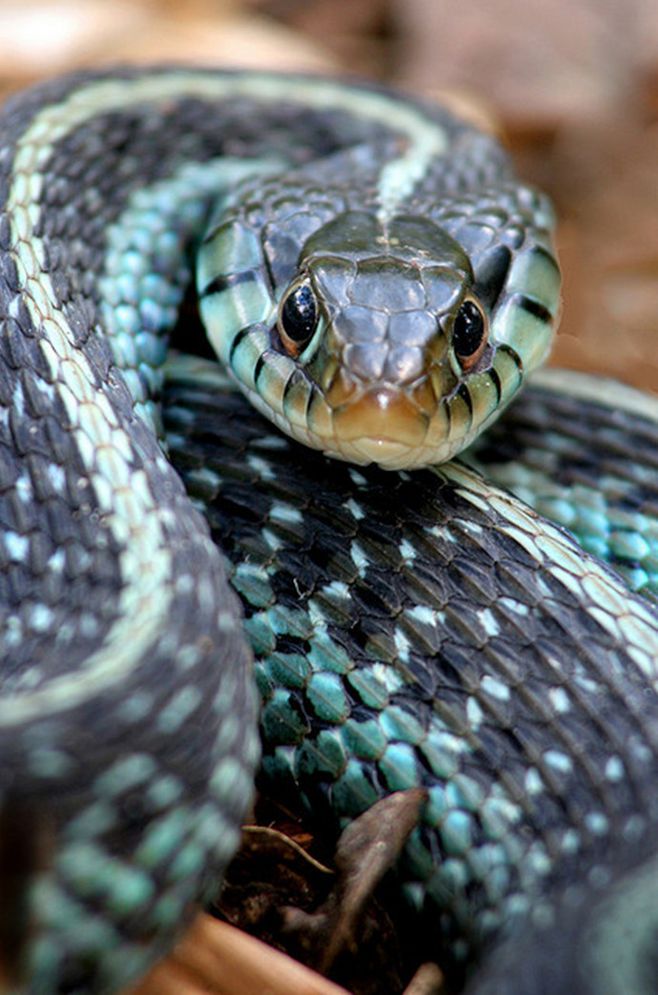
[(379, 285)]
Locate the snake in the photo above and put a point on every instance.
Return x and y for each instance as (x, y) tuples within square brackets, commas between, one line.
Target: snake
[(379, 285)]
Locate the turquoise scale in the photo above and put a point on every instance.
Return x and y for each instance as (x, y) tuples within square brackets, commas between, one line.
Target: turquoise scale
[(415, 641), (474, 854)]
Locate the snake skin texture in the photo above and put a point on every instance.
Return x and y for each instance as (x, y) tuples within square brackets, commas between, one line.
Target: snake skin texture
[(425, 629), (127, 719), (551, 458), (121, 643), (407, 628)]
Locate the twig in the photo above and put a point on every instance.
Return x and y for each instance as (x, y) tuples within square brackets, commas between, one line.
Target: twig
[(217, 959)]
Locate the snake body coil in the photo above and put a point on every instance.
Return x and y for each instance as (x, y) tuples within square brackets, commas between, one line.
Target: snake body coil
[(429, 630), (379, 283)]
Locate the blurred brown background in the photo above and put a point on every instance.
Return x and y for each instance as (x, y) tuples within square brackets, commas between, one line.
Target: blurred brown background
[(573, 86)]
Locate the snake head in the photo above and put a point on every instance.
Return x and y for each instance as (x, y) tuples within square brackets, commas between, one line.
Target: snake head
[(374, 340)]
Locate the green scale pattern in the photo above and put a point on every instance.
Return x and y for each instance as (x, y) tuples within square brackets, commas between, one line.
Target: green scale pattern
[(425, 630), (127, 718), (612, 507), (471, 860)]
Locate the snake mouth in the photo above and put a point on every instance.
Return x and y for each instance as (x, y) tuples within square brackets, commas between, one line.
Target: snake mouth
[(388, 427), (384, 414)]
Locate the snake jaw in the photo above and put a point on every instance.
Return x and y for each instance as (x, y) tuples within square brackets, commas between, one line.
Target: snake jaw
[(381, 415)]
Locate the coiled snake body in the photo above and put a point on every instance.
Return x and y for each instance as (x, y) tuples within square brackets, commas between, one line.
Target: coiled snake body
[(379, 284)]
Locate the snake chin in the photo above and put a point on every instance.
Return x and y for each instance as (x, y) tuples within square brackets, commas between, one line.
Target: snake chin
[(387, 428), (384, 453)]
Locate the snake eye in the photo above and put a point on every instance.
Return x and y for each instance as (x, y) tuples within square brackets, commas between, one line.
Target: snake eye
[(469, 334), (298, 318)]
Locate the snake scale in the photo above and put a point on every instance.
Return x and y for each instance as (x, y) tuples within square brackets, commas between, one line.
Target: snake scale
[(379, 284)]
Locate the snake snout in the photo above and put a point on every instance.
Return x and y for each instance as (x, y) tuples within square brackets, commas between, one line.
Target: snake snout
[(389, 375)]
